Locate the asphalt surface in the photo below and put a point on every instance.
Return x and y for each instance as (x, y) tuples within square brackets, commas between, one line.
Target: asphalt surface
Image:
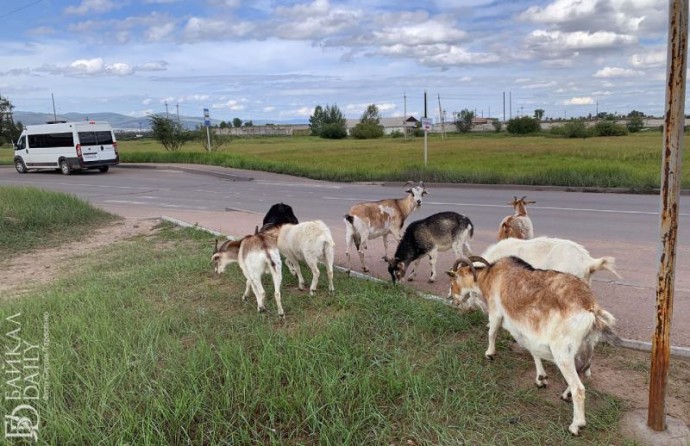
[(233, 202)]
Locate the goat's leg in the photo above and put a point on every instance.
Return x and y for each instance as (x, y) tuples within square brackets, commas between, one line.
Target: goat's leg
[(385, 245), (494, 325), (566, 364), (363, 237), (277, 276), (415, 266), (433, 256), (328, 254), (315, 273), (542, 379), (246, 290), (259, 292), (294, 267), (349, 240)]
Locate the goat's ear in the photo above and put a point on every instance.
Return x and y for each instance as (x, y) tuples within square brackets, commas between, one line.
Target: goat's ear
[(530, 202), (452, 274), (408, 190), (215, 248), (256, 229), (386, 259)]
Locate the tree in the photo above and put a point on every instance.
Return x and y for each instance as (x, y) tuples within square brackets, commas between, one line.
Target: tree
[(8, 130), (498, 125), (635, 124), (223, 125), (328, 122), (538, 114), (636, 114), (249, 124), (464, 121), (369, 126), (168, 132), (316, 121), (237, 123), (218, 141)]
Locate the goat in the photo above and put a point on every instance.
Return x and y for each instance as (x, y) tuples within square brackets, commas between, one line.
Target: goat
[(518, 225), (256, 254), (310, 242), (554, 315), (552, 253), (438, 232), (280, 213), (369, 220)]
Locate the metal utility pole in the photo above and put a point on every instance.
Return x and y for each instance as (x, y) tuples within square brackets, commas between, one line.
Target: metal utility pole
[(178, 112), (405, 116), (426, 135), (504, 106), (510, 103), (166, 110), (671, 172), (440, 113)]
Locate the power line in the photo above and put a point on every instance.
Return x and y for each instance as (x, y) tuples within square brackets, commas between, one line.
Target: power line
[(20, 8)]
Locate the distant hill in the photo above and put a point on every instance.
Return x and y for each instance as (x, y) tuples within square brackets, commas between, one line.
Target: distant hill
[(122, 122)]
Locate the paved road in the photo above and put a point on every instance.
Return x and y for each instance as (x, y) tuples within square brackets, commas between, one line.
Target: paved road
[(234, 201)]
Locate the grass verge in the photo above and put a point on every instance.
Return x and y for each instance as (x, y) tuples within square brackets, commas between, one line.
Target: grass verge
[(31, 217), (152, 348), (631, 161)]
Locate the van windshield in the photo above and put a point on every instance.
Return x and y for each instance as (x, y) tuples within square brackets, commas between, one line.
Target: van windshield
[(95, 138)]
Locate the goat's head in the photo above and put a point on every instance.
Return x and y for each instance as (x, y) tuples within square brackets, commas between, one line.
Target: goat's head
[(224, 255), (417, 191), (519, 204), (464, 288), (396, 268)]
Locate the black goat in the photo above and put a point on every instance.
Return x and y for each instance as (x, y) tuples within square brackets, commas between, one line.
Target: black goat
[(438, 232), (279, 214)]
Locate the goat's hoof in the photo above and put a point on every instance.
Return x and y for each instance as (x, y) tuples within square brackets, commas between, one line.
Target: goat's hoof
[(410, 279), (575, 428), (365, 269), (281, 316), (431, 280), (490, 357), (542, 384), (568, 398), (262, 309)]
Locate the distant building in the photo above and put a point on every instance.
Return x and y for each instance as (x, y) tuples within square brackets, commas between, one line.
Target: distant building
[(390, 125)]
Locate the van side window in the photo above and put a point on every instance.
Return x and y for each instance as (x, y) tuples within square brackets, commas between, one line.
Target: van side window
[(21, 143), (87, 138), (47, 140), (104, 137)]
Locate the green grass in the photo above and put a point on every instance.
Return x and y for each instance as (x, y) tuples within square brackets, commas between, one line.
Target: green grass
[(632, 161), (31, 217), (151, 348)]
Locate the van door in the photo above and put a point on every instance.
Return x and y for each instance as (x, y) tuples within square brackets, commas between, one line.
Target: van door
[(97, 145)]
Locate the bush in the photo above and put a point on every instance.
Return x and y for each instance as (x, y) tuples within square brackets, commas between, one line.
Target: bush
[(635, 124), (523, 126), (573, 129), (397, 134), (367, 130), (333, 131), (498, 125), (609, 128)]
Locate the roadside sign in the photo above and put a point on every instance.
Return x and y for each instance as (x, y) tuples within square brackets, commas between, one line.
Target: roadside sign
[(207, 119), (427, 123)]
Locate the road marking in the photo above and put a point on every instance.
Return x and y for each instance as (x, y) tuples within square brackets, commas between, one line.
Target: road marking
[(149, 204), (288, 184), (83, 185), (441, 203)]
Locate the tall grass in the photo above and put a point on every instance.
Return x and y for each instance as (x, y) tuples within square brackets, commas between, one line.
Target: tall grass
[(631, 161), (152, 348), (31, 217)]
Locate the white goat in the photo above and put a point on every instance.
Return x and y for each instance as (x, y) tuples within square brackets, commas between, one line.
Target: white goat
[(310, 242), (552, 253), (518, 225), (256, 254), (369, 220), (553, 315)]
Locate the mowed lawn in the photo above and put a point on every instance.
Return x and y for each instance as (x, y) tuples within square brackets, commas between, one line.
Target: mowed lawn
[(143, 344), (632, 161)]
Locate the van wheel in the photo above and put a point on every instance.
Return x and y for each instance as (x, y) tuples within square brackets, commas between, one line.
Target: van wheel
[(104, 169), (20, 166), (64, 167)]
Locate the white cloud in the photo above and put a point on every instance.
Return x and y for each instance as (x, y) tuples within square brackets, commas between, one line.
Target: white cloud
[(88, 66), (579, 101), (655, 59), (558, 41), (429, 32), (617, 72), (158, 65), (198, 29), (229, 105), (160, 32), (119, 69), (91, 7)]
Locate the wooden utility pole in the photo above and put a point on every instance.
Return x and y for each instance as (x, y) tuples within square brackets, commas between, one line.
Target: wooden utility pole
[(671, 173)]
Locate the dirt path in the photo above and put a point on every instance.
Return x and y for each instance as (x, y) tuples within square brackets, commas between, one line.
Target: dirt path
[(24, 272)]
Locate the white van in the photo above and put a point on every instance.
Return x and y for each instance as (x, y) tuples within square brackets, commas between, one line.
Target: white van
[(66, 146)]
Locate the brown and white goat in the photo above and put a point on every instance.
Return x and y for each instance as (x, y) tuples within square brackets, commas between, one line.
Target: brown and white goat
[(369, 220), (256, 254), (310, 242), (518, 225), (553, 315)]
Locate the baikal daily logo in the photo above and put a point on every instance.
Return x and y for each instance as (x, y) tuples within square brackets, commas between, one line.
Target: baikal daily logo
[(24, 378)]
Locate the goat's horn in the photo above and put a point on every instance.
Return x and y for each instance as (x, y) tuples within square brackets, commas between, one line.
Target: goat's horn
[(523, 198), (468, 262), (480, 260)]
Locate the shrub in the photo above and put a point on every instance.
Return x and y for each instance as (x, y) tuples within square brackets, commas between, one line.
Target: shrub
[(524, 125), (333, 131), (367, 130), (609, 128), (572, 129), (397, 134), (498, 125), (635, 124)]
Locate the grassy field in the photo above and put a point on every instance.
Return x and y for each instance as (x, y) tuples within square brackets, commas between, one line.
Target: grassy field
[(632, 161), (30, 217), (147, 346)]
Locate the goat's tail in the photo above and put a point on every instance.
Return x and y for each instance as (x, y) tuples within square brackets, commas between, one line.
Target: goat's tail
[(355, 234), (601, 329), (607, 263)]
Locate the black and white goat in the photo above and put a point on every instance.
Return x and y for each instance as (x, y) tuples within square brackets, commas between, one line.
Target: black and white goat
[(438, 232), (369, 220), (279, 214), (554, 315), (256, 254)]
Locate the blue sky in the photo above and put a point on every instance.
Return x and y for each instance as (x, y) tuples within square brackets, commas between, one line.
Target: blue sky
[(266, 60)]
